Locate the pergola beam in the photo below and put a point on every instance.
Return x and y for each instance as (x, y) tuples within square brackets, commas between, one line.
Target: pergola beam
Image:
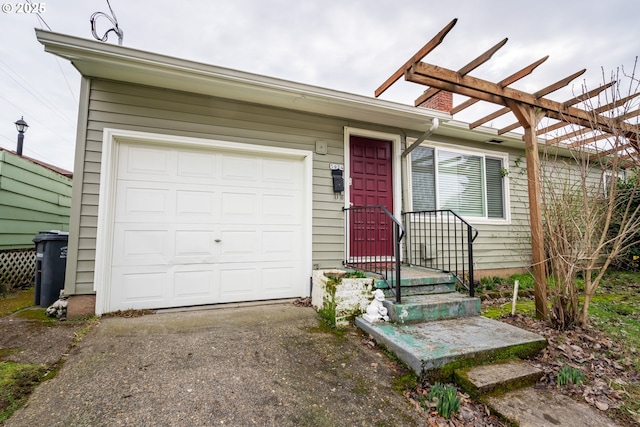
[(539, 94), (590, 140), (431, 92), (432, 44), (450, 80), (554, 87), (503, 83)]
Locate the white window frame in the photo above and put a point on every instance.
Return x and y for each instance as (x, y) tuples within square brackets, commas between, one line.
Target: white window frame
[(474, 152)]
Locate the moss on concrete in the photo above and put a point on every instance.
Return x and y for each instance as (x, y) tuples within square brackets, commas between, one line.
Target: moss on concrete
[(328, 310), (461, 377), (446, 373)]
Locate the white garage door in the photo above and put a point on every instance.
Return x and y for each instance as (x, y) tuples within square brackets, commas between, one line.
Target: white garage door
[(205, 226)]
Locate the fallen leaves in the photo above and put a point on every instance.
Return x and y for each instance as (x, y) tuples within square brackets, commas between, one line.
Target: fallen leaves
[(607, 369)]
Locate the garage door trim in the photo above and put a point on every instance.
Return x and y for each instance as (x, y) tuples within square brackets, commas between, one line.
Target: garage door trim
[(112, 140)]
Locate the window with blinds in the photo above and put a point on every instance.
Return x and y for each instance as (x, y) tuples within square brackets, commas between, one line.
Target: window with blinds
[(469, 184)]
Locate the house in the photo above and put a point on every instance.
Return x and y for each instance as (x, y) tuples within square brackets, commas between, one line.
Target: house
[(195, 184), (34, 196)]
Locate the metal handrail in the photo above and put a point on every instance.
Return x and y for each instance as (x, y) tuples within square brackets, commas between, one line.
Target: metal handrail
[(441, 240), (366, 243)]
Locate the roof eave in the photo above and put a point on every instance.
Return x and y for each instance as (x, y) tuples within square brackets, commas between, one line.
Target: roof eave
[(101, 60)]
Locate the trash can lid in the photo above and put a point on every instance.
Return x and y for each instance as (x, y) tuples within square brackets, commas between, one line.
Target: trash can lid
[(51, 235)]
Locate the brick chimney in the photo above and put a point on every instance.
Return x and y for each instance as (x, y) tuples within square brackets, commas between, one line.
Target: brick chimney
[(442, 101)]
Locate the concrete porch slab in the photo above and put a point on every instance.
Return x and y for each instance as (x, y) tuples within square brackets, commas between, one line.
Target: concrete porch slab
[(435, 349)]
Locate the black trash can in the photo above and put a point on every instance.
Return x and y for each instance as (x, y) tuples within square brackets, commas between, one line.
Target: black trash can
[(51, 265)]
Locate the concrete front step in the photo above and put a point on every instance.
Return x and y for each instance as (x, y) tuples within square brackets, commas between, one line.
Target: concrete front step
[(435, 349), (420, 283), (419, 279), (425, 289), (425, 308), (497, 378)]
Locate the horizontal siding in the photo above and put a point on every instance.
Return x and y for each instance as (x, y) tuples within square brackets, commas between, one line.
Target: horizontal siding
[(120, 106), (501, 246), (128, 107), (32, 199), (29, 216), (32, 207)]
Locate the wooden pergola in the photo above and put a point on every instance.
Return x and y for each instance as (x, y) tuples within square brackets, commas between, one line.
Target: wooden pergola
[(529, 109)]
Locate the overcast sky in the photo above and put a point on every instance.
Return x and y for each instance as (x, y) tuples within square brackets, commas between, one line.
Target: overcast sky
[(347, 45)]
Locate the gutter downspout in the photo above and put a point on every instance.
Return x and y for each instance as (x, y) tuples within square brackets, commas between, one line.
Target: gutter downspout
[(405, 175), (434, 126)]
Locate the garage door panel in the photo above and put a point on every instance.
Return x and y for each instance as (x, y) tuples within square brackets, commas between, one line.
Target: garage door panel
[(196, 246), (239, 246), (141, 246), (239, 208), (199, 226), (281, 209), (138, 289), (142, 201), (195, 283), (284, 174), (238, 283), (281, 245), (240, 170), (197, 206), (142, 162), (198, 166), (278, 281)]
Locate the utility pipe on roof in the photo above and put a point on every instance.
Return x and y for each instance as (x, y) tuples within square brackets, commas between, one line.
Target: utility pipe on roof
[(434, 125)]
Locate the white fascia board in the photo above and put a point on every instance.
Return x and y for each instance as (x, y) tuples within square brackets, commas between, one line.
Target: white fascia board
[(101, 60)]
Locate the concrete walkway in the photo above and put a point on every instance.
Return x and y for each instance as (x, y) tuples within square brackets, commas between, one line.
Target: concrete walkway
[(266, 365), (536, 408)]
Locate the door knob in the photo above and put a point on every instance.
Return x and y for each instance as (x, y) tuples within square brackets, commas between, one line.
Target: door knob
[(217, 240)]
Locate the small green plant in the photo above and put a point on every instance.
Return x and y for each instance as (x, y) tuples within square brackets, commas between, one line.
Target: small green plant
[(569, 374), (525, 280), (355, 275), (447, 400)]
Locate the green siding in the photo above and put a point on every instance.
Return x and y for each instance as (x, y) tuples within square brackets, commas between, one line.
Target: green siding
[(129, 107), (145, 109), (32, 199)]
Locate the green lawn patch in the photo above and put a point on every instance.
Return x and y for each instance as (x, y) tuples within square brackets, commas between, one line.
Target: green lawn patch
[(15, 301), (16, 383)]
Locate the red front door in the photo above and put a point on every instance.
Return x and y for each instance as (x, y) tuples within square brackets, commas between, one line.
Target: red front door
[(371, 185)]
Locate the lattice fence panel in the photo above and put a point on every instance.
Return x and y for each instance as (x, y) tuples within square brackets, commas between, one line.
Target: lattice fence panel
[(17, 268)]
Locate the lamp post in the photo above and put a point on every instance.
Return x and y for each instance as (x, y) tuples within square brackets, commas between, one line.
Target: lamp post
[(22, 126)]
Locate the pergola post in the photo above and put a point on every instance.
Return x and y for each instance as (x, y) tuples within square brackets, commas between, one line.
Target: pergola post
[(527, 117)]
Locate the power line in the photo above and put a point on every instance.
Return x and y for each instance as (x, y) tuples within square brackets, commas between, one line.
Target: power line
[(64, 76), (30, 89), (34, 119), (40, 18)]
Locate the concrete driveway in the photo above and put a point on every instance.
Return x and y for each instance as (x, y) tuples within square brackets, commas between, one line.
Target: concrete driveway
[(265, 365)]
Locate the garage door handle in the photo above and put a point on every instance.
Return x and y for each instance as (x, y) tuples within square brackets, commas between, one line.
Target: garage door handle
[(217, 240)]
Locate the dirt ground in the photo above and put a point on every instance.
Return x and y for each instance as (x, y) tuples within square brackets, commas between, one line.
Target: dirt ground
[(28, 337)]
